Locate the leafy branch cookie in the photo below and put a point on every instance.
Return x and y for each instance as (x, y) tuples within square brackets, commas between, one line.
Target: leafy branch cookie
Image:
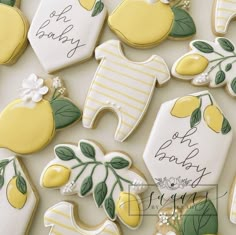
[(18, 198), (86, 169), (13, 31), (146, 23), (63, 219), (209, 63), (28, 124)]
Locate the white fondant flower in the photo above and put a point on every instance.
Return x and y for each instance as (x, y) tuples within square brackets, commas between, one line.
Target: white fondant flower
[(56, 83), (187, 4), (138, 186), (33, 89), (69, 187), (201, 79), (165, 1)]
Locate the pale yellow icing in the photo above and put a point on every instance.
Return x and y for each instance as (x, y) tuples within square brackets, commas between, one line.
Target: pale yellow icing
[(26, 128), (192, 64), (154, 19), (13, 33), (56, 176)]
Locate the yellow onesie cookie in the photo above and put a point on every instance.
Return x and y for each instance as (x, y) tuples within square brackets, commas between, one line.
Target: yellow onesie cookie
[(13, 31)]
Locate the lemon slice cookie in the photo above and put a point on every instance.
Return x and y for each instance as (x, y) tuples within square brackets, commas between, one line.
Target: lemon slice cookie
[(18, 198), (13, 31), (85, 169), (146, 23), (189, 134), (28, 124)]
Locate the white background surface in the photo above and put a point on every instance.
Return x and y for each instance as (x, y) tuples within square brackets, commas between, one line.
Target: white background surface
[(78, 79)]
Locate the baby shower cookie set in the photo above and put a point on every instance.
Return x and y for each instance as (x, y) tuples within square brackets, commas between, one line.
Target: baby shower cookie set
[(181, 151)]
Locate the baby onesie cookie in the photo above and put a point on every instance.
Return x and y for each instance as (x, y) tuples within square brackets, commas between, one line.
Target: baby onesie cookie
[(146, 23), (188, 134), (232, 203), (65, 32), (209, 63), (28, 124), (19, 199), (63, 219), (86, 169), (13, 31), (224, 11), (123, 86), (196, 218)]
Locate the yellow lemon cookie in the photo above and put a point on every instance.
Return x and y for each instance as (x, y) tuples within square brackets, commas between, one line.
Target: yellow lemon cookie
[(146, 23), (29, 124), (13, 32)]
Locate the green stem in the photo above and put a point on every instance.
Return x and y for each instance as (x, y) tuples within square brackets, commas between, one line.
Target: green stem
[(208, 97), (14, 165), (105, 178), (218, 53), (85, 163), (225, 58), (113, 188), (54, 93)]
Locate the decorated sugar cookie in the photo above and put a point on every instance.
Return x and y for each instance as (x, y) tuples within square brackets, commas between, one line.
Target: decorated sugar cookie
[(224, 11), (65, 32), (196, 218), (28, 124), (18, 198), (188, 134), (123, 86), (232, 203), (85, 169), (62, 220), (209, 63), (13, 31), (146, 23)]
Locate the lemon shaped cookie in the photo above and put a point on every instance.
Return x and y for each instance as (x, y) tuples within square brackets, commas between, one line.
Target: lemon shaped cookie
[(28, 124), (146, 23), (13, 32)]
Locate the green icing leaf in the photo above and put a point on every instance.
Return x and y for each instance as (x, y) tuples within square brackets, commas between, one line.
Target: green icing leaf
[(203, 47), (88, 150), (196, 117), (226, 128), (228, 67), (110, 207), (65, 153), (183, 24), (8, 2), (86, 186), (98, 8), (100, 193), (21, 184), (119, 163), (65, 112), (200, 219), (3, 163), (1, 181), (233, 85), (226, 44), (220, 77)]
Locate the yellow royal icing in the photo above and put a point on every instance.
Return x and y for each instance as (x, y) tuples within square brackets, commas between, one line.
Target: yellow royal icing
[(26, 128), (13, 33), (131, 16)]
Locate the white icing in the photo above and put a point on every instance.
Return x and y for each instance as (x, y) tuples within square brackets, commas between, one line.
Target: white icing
[(208, 77), (233, 207), (164, 1), (199, 146), (171, 233), (33, 89), (77, 43), (56, 83), (11, 216), (225, 12), (61, 220), (124, 86)]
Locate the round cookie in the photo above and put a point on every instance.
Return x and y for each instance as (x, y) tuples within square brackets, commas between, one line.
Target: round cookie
[(146, 23)]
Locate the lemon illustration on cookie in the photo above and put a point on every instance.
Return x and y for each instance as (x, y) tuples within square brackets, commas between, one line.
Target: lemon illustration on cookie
[(146, 23), (29, 124), (92, 5), (87, 4), (13, 32)]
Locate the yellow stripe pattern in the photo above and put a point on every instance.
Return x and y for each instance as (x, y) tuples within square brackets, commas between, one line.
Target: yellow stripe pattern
[(123, 86), (225, 11)]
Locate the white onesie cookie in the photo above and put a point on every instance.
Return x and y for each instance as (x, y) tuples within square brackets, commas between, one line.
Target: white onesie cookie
[(123, 86)]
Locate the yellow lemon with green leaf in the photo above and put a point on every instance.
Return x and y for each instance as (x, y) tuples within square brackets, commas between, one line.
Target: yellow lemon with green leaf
[(13, 32), (128, 209), (192, 64), (185, 106), (17, 192), (87, 4), (213, 118), (56, 176)]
